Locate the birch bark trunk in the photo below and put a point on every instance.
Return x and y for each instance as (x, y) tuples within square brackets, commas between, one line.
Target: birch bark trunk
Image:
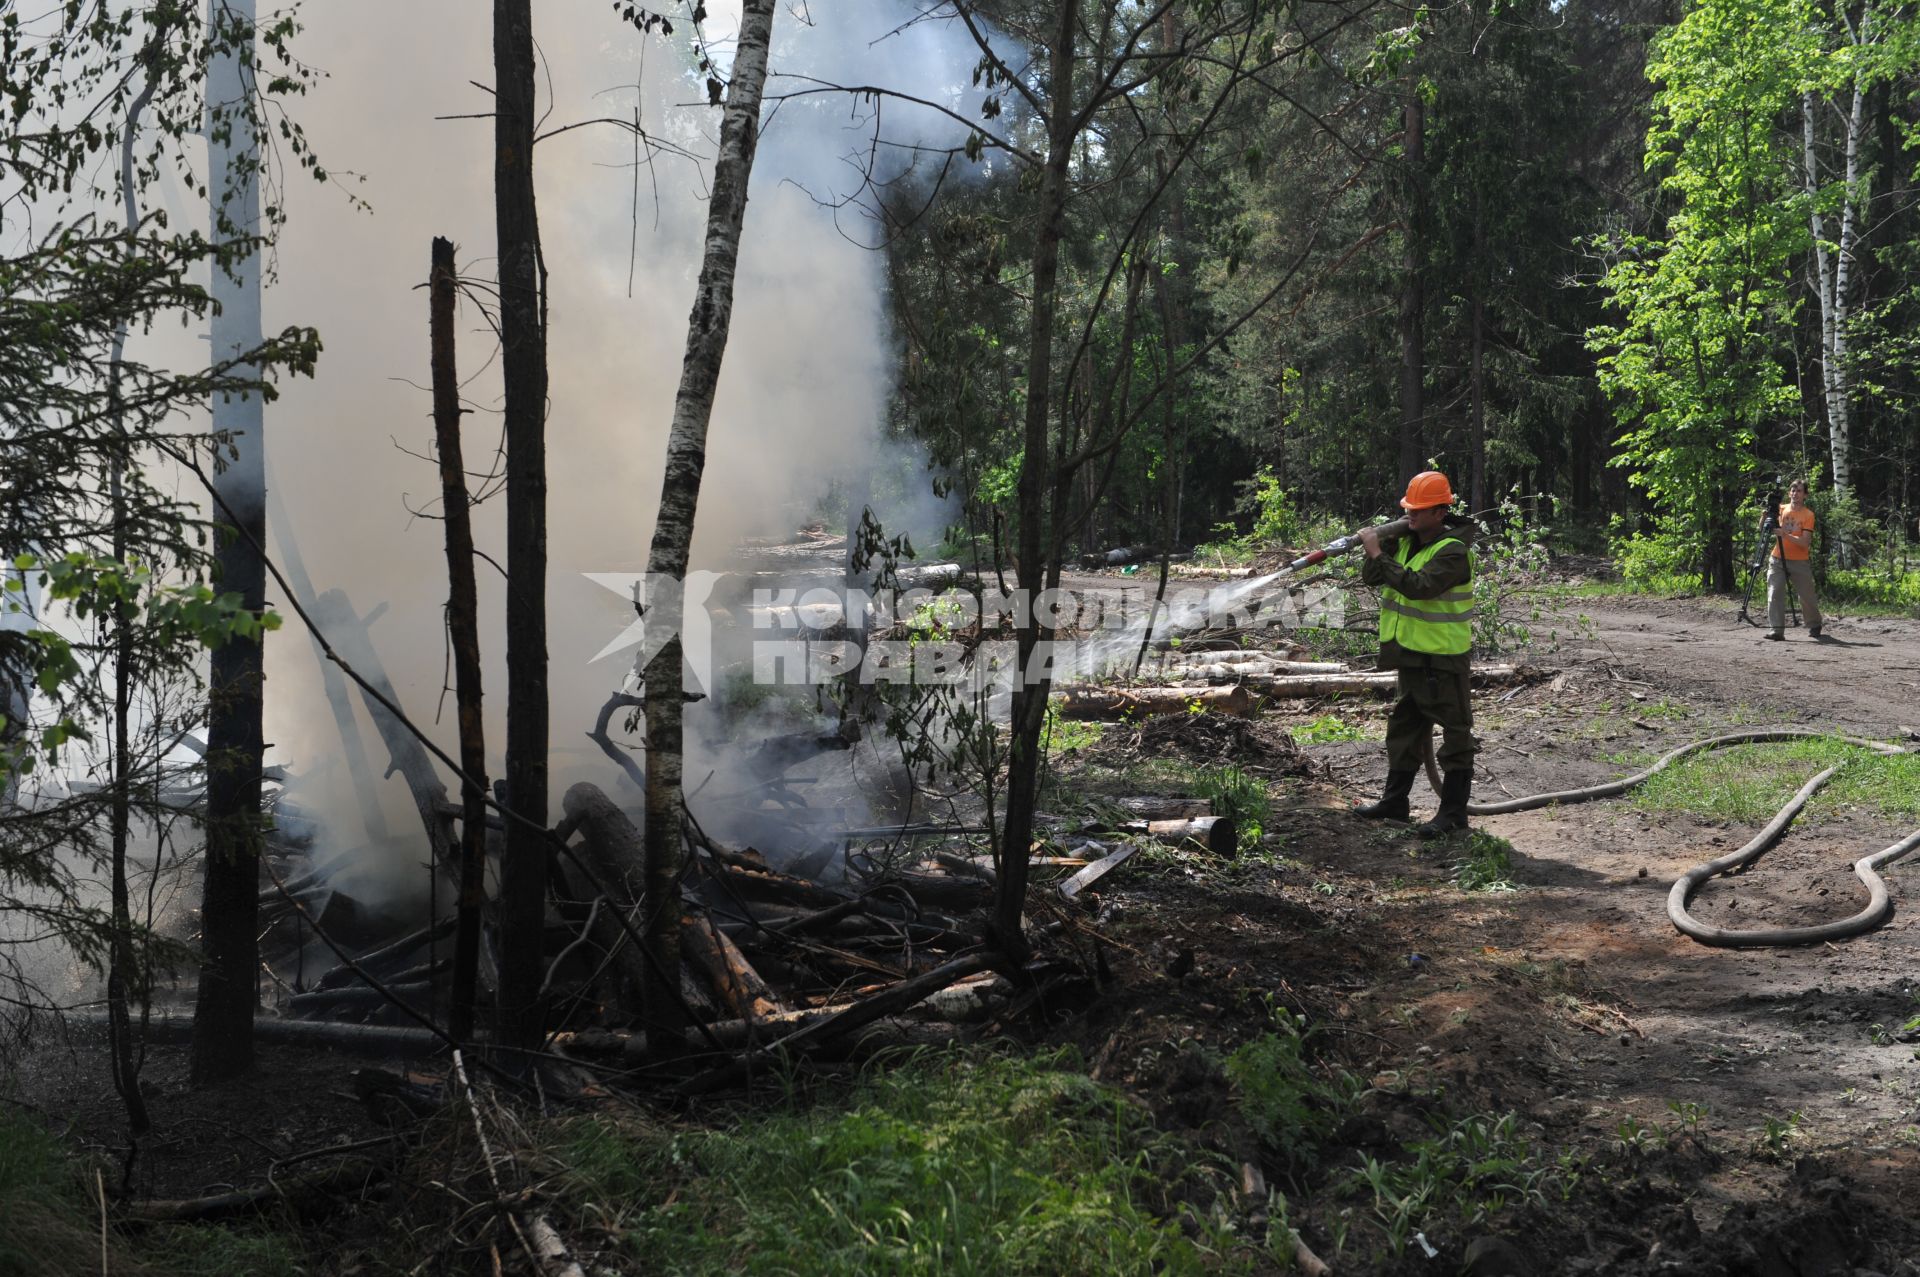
[(664, 674), (1833, 280)]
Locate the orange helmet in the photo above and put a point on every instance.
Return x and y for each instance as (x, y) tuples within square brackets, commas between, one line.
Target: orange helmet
[(1429, 488)]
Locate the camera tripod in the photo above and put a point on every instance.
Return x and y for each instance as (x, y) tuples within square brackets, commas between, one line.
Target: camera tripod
[(1759, 564)]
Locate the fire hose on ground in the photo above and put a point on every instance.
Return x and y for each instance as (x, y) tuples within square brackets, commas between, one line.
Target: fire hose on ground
[(1879, 905)]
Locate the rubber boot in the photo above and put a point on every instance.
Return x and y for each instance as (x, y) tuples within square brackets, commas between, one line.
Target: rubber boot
[(1455, 789), (1393, 804)]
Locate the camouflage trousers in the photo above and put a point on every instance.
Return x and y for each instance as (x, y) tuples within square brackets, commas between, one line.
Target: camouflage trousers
[(1429, 697)]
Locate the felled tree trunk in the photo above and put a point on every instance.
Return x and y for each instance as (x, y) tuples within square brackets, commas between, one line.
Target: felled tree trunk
[(1233, 671), (1388, 681), (1139, 702), (1216, 834), (1153, 808), (334, 613)]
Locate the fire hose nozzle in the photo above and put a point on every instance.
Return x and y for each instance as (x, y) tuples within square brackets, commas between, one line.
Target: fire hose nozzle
[(1342, 544)]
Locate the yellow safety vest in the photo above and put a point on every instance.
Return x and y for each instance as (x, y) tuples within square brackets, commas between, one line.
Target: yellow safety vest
[(1442, 626)]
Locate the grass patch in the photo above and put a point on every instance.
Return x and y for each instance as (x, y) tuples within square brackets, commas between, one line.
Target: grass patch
[(1485, 864), (204, 1250), (950, 1164), (1471, 1170), (1240, 796), (50, 1225), (46, 1225), (1861, 591), (1145, 776), (1326, 730), (1875, 589), (1747, 784), (1069, 735)]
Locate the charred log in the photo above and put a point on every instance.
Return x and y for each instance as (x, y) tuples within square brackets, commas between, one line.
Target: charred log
[(389, 956), (418, 995), (732, 976)]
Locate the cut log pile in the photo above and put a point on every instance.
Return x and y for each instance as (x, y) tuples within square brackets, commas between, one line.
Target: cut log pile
[(1236, 683)]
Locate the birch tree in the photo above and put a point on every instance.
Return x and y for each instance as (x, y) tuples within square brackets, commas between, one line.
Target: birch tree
[(663, 673), (1837, 88)]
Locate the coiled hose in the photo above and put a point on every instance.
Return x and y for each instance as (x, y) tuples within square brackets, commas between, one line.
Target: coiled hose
[(1879, 905)]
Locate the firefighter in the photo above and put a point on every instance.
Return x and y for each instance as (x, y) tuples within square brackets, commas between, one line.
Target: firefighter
[(1426, 633)]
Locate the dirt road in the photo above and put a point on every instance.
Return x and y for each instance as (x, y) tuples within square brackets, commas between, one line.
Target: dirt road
[(1782, 1058), (1860, 675)]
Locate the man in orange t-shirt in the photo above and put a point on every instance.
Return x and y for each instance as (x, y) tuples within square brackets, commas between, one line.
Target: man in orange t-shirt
[(1792, 560)]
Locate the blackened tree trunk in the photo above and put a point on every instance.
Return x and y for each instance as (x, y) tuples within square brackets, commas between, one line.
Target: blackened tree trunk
[(523, 356), (463, 626), (123, 967), (1477, 406), (1032, 682), (1413, 297), (679, 502), (229, 915)]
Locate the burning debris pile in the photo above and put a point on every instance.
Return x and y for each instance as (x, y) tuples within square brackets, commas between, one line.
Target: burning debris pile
[(810, 906), (767, 953)]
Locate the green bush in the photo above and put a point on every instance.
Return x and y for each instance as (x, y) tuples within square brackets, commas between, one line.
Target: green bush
[(1275, 521), (1662, 562), (1486, 865), (1291, 1104), (1510, 558)]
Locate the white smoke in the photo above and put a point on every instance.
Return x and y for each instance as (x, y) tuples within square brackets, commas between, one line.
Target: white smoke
[(802, 397)]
